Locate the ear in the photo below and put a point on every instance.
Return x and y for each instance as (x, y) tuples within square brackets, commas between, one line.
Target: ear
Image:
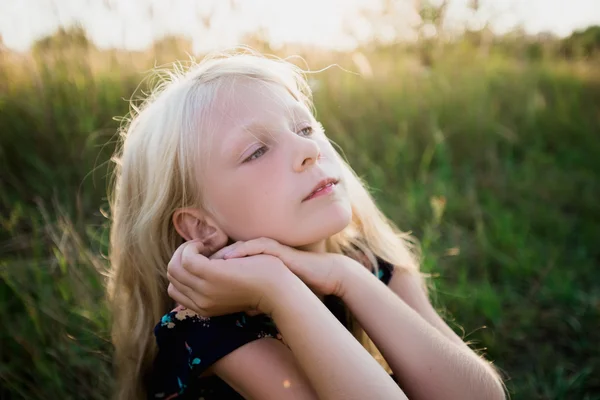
[(195, 224)]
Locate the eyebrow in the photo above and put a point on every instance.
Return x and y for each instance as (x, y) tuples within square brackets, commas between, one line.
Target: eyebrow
[(258, 130)]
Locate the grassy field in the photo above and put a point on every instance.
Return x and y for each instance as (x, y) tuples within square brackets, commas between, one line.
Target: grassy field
[(492, 162)]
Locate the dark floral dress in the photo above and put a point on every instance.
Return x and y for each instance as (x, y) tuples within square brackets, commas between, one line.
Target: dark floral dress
[(188, 344)]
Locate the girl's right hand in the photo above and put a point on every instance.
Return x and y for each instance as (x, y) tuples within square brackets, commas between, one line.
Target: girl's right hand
[(212, 287)]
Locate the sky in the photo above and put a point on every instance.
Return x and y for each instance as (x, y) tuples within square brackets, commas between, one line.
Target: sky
[(134, 24)]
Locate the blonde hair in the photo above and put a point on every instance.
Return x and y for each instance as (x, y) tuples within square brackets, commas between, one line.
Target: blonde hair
[(152, 178)]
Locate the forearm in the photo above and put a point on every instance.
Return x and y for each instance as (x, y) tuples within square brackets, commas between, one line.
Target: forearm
[(336, 364), (428, 364)]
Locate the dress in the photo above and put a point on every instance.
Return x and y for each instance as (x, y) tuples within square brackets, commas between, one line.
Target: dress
[(188, 344)]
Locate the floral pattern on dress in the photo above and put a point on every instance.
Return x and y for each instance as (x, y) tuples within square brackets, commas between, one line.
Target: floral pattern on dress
[(188, 344)]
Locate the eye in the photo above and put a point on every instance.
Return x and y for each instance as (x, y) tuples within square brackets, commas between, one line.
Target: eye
[(257, 154), (308, 131)]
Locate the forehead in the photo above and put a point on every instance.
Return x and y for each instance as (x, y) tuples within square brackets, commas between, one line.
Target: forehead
[(245, 101), (248, 102)]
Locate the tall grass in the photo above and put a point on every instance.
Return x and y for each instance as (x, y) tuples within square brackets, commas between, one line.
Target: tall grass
[(491, 162)]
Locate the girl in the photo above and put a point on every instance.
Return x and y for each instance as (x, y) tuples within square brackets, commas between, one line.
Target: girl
[(231, 205)]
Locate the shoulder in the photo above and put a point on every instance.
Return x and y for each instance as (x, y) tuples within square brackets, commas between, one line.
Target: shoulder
[(182, 319), (179, 318), (189, 345), (183, 327), (240, 350)]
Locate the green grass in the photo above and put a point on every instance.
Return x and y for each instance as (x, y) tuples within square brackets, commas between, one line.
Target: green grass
[(491, 162)]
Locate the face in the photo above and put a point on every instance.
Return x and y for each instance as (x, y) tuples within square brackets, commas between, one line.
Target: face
[(267, 156)]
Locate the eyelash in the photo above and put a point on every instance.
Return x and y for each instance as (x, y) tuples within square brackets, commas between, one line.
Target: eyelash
[(310, 128), (264, 148)]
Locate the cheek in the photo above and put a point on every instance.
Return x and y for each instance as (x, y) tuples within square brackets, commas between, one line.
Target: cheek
[(251, 204), (264, 186), (327, 150)]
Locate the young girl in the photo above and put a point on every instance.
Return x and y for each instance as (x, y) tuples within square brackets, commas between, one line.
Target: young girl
[(248, 259)]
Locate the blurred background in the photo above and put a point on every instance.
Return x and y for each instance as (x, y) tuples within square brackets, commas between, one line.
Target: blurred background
[(476, 123)]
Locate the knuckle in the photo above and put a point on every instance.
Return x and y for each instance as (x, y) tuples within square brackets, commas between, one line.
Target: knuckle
[(234, 247), (173, 273), (185, 262), (207, 304), (261, 244), (189, 265), (205, 313), (172, 265), (266, 240), (171, 291)]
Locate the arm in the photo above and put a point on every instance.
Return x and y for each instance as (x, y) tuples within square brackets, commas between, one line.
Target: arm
[(264, 369), (336, 364), (428, 360), (318, 365)]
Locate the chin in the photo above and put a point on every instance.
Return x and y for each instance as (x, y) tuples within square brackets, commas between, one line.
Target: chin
[(341, 218), (319, 225), (332, 220)]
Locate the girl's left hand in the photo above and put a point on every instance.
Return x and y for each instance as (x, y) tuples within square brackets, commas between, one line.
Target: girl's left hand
[(322, 272)]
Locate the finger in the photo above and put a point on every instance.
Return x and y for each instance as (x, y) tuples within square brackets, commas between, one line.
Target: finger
[(219, 254), (251, 248), (181, 298), (194, 299), (254, 247), (177, 258), (185, 279), (253, 313), (188, 301), (192, 259)]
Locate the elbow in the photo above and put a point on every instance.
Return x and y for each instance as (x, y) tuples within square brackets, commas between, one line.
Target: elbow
[(502, 392), (487, 384), (497, 394), (492, 382), (496, 389)]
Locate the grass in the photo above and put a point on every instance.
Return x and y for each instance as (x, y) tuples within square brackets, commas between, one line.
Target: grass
[(491, 162)]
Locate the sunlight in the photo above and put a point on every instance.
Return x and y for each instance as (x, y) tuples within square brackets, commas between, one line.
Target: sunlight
[(335, 24)]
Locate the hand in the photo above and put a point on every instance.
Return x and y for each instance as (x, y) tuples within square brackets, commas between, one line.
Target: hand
[(322, 272), (216, 287), (219, 256)]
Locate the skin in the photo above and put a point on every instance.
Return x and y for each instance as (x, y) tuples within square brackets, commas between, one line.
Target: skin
[(315, 366), (271, 151), (279, 249), (264, 197), (416, 342)]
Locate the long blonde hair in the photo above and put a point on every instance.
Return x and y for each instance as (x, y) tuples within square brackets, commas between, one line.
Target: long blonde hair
[(152, 178)]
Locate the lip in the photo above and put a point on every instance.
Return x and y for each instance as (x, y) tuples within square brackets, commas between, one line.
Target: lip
[(321, 184)]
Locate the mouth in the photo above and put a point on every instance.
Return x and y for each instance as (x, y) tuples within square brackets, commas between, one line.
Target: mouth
[(324, 186)]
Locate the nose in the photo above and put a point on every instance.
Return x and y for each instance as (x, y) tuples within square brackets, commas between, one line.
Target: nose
[(307, 153)]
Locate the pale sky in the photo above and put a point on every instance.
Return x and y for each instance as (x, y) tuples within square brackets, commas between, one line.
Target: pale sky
[(133, 24)]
